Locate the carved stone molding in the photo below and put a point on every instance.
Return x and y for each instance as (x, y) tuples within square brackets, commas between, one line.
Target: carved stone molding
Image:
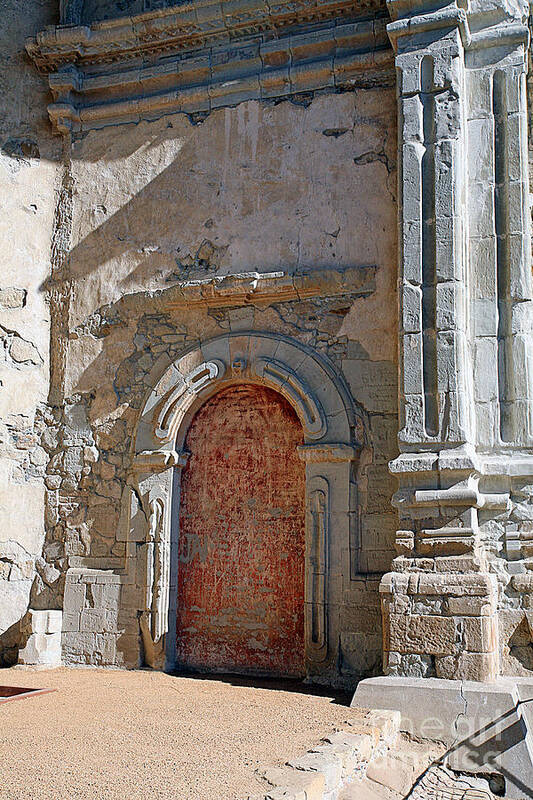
[(177, 402), (312, 387), (97, 76), (465, 359), (296, 391), (261, 288), (188, 26), (317, 567), (158, 460)]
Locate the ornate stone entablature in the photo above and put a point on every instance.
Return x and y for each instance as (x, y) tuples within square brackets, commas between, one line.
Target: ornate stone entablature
[(197, 57)]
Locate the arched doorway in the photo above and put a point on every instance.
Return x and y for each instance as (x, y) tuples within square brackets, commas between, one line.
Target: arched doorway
[(241, 549)]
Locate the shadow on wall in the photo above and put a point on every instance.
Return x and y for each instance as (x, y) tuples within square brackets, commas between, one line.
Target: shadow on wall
[(484, 751), (520, 644), (241, 191)]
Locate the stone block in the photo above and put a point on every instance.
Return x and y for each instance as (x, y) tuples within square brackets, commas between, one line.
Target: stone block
[(71, 621), (392, 773), (412, 153), (482, 667), (480, 634), (485, 313), (480, 150), (479, 93), (491, 737), (348, 756), (448, 300), (98, 620), (411, 308), (412, 363), (128, 650), (106, 595), (413, 429), (293, 784), (330, 766), (12, 297), (361, 743), (41, 649), (486, 360), (409, 71), (385, 721), (74, 596), (37, 621), (375, 561), (412, 248), (523, 583), (421, 634), (453, 585), (54, 622), (469, 606)]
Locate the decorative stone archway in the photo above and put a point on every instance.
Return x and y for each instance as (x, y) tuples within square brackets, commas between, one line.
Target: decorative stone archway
[(323, 405)]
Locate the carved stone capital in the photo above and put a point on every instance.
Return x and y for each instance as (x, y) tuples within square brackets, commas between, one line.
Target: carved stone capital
[(158, 460)]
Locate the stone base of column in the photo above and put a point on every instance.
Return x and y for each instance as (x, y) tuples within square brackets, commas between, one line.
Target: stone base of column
[(440, 624), (488, 727)]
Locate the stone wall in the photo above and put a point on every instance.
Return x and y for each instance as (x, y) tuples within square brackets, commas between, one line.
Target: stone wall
[(261, 187), (123, 216), (226, 181), (29, 157)]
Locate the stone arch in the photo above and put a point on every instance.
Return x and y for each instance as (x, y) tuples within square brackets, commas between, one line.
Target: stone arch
[(323, 404), (310, 383)]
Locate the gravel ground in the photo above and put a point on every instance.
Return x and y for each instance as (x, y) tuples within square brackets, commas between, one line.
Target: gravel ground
[(145, 735)]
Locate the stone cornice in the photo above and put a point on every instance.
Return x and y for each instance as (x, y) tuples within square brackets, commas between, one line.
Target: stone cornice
[(255, 288), (450, 16), (191, 26), (413, 17), (197, 57), (158, 460)]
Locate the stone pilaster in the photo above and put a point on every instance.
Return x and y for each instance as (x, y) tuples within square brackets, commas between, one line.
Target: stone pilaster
[(465, 398)]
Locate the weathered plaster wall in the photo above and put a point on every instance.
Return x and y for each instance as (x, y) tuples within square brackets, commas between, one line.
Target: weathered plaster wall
[(292, 186), (28, 176)]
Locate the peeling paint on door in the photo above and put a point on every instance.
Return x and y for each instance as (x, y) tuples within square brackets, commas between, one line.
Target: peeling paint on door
[(242, 537)]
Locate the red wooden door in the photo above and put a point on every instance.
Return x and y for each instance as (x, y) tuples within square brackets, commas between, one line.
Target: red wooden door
[(242, 537)]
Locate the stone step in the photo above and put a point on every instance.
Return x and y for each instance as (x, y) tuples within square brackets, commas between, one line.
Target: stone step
[(383, 725), (366, 789), (398, 769), (370, 742), (290, 784)]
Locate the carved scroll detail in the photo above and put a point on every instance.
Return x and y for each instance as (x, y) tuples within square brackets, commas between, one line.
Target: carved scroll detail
[(317, 570), (180, 398), (287, 383)]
